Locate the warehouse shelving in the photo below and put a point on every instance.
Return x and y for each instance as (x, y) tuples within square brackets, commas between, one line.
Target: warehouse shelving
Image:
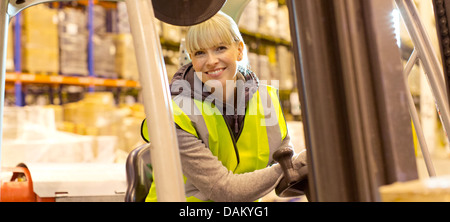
[(267, 39), (261, 44), (68, 80), (18, 77)]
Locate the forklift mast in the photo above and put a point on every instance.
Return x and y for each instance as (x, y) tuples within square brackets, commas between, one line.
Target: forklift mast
[(353, 98)]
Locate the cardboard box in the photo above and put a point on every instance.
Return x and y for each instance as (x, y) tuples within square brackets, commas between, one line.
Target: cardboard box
[(40, 52), (126, 64), (435, 189)]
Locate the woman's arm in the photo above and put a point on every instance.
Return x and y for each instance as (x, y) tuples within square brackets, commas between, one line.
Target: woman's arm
[(214, 181)]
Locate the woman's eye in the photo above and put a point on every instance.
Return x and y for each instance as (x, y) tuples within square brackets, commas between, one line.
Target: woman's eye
[(221, 48), (198, 53)]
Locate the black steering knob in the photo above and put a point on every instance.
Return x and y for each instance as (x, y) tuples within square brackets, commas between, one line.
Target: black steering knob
[(284, 157), (294, 182)]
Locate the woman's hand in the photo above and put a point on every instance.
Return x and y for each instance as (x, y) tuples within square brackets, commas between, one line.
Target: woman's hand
[(299, 160)]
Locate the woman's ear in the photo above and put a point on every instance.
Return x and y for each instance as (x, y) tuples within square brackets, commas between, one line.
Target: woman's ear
[(241, 51)]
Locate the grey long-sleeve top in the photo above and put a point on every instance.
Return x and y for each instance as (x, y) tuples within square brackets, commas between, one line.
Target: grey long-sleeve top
[(208, 179)]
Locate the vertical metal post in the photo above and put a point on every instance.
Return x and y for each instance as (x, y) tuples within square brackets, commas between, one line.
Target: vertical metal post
[(353, 98), (441, 14), (90, 41), (314, 39), (155, 89), (415, 117), (19, 95), (157, 102), (427, 55), (4, 22)]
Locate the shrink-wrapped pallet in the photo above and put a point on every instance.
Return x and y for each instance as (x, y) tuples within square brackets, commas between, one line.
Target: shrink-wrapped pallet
[(126, 64), (40, 42), (31, 136), (104, 55), (104, 49), (73, 37), (123, 25), (98, 19)]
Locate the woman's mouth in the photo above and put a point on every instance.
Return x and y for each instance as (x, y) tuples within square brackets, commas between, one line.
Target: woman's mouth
[(216, 72)]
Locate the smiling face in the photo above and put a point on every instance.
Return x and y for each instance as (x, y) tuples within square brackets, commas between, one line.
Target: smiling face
[(216, 48), (218, 62)]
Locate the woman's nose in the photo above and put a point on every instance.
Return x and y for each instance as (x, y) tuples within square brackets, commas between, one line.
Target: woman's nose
[(212, 59)]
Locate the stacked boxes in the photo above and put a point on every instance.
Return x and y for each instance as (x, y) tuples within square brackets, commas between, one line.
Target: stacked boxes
[(286, 72), (250, 17), (254, 62), (40, 40), (123, 25), (114, 54), (126, 64), (277, 64), (103, 45), (104, 55), (73, 38), (283, 28), (264, 68), (11, 123), (131, 123), (266, 17), (97, 115), (10, 49), (94, 115), (98, 19)]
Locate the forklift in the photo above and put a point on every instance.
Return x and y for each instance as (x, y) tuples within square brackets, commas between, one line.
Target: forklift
[(350, 79)]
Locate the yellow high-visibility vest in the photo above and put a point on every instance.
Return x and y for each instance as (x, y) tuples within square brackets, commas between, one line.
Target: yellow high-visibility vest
[(261, 134)]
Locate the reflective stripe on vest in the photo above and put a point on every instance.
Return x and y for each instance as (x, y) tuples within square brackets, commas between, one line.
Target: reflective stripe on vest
[(263, 130)]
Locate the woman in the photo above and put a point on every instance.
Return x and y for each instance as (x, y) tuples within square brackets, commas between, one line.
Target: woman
[(228, 125)]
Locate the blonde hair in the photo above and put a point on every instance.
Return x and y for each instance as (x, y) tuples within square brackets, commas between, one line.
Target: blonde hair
[(219, 29)]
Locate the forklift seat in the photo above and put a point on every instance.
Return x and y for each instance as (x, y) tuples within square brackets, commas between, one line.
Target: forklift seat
[(139, 174)]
